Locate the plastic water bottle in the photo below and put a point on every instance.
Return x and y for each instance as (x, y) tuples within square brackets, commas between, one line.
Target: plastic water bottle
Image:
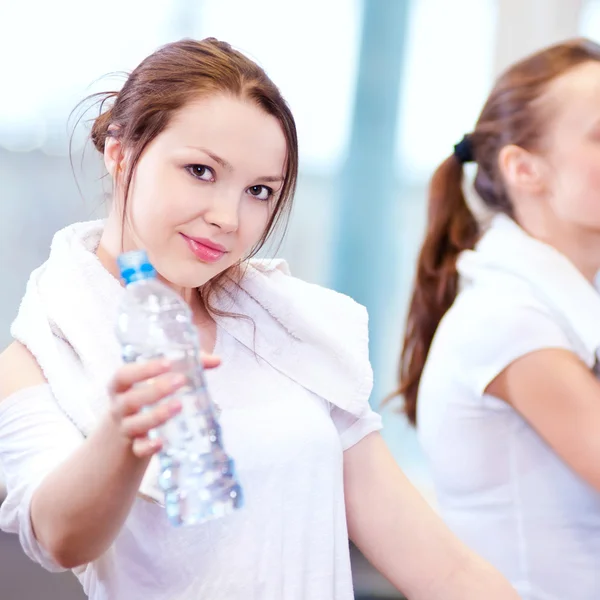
[(197, 476)]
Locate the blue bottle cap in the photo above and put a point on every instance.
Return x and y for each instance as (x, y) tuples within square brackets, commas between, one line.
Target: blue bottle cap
[(135, 266)]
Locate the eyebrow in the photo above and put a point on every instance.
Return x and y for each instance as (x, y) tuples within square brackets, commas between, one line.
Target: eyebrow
[(215, 157), (271, 178), (229, 167)]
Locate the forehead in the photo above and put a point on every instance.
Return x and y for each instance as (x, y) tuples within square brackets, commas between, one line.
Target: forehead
[(236, 129), (573, 99)]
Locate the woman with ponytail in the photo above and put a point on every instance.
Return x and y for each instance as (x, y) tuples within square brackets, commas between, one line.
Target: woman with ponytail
[(498, 367)]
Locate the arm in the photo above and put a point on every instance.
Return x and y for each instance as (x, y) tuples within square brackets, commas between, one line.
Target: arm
[(404, 539), (79, 507), (559, 397)]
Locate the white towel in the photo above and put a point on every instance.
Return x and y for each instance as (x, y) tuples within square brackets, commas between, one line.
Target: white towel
[(66, 319)]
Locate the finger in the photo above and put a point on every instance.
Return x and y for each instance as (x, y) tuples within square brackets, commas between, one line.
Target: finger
[(210, 361), (143, 447), (147, 393), (140, 424), (127, 375)]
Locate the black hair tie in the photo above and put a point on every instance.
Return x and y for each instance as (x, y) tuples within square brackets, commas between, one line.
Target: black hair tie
[(464, 150)]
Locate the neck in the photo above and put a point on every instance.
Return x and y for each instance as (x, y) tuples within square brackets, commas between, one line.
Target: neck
[(579, 244)]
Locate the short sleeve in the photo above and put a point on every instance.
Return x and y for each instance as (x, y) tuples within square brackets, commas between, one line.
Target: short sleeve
[(490, 339), (351, 428), (35, 437)]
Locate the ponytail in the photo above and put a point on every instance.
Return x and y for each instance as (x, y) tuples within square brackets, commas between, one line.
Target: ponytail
[(451, 228)]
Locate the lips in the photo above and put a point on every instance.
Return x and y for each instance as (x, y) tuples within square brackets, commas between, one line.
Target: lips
[(205, 250)]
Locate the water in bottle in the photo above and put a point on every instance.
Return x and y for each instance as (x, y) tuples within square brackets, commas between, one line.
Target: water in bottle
[(197, 476)]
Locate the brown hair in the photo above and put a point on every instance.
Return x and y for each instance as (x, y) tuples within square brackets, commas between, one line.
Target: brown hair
[(174, 75), (511, 115)]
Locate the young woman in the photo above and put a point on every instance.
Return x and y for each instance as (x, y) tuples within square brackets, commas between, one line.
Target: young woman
[(203, 155), (500, 352)]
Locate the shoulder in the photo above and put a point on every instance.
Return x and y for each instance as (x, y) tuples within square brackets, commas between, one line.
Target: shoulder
[(486, 325), (308, 308), (18, 370), (513, 316), (483, 333), (310, 324), (277, 279)]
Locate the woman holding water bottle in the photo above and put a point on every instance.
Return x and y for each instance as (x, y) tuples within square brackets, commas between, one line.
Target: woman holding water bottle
[(202, 152)]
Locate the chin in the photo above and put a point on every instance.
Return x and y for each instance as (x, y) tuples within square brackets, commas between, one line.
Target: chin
[(191, 277)]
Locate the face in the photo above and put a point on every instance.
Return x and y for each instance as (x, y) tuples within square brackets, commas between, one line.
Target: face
[(572, 153), (205, 188)]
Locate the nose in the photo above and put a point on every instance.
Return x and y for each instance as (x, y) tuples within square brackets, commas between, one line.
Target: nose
[(223, 212)]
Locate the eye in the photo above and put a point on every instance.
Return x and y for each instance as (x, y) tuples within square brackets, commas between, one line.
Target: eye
[(201, 172), (260, 192)]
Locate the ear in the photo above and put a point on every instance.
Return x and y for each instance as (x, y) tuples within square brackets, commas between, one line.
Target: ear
[(113, 156), (521, 170)]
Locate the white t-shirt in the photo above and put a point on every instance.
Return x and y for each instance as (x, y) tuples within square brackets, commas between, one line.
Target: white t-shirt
[(289, 541), (500, 487)]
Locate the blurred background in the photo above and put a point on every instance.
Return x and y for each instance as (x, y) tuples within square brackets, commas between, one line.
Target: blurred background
[(381, 90)]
